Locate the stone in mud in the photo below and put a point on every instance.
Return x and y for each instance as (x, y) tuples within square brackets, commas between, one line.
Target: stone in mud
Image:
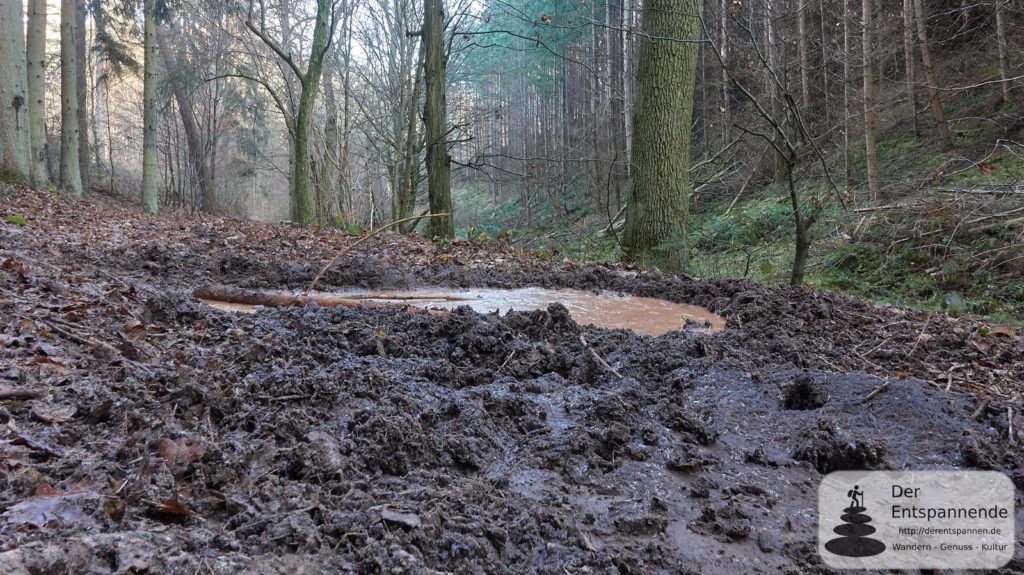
[(803, 393), (828, 452)]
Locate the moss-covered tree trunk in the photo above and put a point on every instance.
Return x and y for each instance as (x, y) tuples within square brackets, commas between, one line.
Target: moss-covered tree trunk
[(150, 199), (15, 140), (435, 114), (657, 210), (35, 49), (302, 182), (70, 171)]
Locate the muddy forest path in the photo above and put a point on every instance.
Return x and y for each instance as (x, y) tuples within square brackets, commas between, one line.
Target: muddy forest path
[(142, 431)]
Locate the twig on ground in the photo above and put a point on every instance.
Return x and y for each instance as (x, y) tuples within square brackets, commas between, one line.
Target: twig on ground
[(598, 358), (921, 336), (981, 410), (507, 360), (876, 391), (949, 374), (79, 338), (1009, 423)]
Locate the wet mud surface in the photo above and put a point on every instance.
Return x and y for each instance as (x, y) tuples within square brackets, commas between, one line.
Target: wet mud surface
[(144, 432)]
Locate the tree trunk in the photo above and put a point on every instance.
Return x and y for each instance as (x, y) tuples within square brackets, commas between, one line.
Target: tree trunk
[(150, 199), (805, 62), (411, 160), (657, 212), (82, 92), (774, 72), (870, 114), (617, 106), (1004, 61), (193, 136), (70, 170), (932, 78), (435, 116), (847, 76), (15, 134), (35, 48), (302, 185), (908, 61)]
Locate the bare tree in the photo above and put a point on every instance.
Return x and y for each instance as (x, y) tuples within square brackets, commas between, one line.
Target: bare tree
[(302, 193), (908, 61), (931, 76), (870, 113)]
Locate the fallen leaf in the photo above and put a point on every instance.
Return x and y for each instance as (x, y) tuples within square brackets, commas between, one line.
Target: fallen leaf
[(100, 413), (114, 509), (170, 511), (42, 511), (53, 413), (1003, 331), (397, 518)]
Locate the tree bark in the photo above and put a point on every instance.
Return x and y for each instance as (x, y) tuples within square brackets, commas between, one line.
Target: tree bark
[(305, 203), (805, 62), (908, 61), (35, 49), (657, 212), (435, 116), (847, 78), (15, 134), (617, 105), (150, 199), (1004, 60), (70, 170), (870, 114), (932, 78), (193, 136), (82, 92)]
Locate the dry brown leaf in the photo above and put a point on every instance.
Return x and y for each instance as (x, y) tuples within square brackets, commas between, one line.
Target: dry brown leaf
[(53, 413)]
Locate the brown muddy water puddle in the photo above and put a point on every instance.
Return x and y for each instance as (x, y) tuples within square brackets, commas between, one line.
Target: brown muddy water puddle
[(645, 315)]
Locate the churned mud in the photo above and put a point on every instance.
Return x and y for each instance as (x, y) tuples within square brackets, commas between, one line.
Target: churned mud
[(142, 431)]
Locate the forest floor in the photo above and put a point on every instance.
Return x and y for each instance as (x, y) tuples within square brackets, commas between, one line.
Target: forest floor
[(142, 431)]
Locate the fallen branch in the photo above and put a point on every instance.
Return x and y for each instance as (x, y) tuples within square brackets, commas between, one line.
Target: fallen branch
[(230, 294), (8, 393), (600, 361), (1007, 192), (408, 297), (79, 338), (352, 246), (881, 208), (278, 298)]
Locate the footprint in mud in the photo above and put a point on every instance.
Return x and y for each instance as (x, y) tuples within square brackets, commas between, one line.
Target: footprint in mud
[(803, 393)]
